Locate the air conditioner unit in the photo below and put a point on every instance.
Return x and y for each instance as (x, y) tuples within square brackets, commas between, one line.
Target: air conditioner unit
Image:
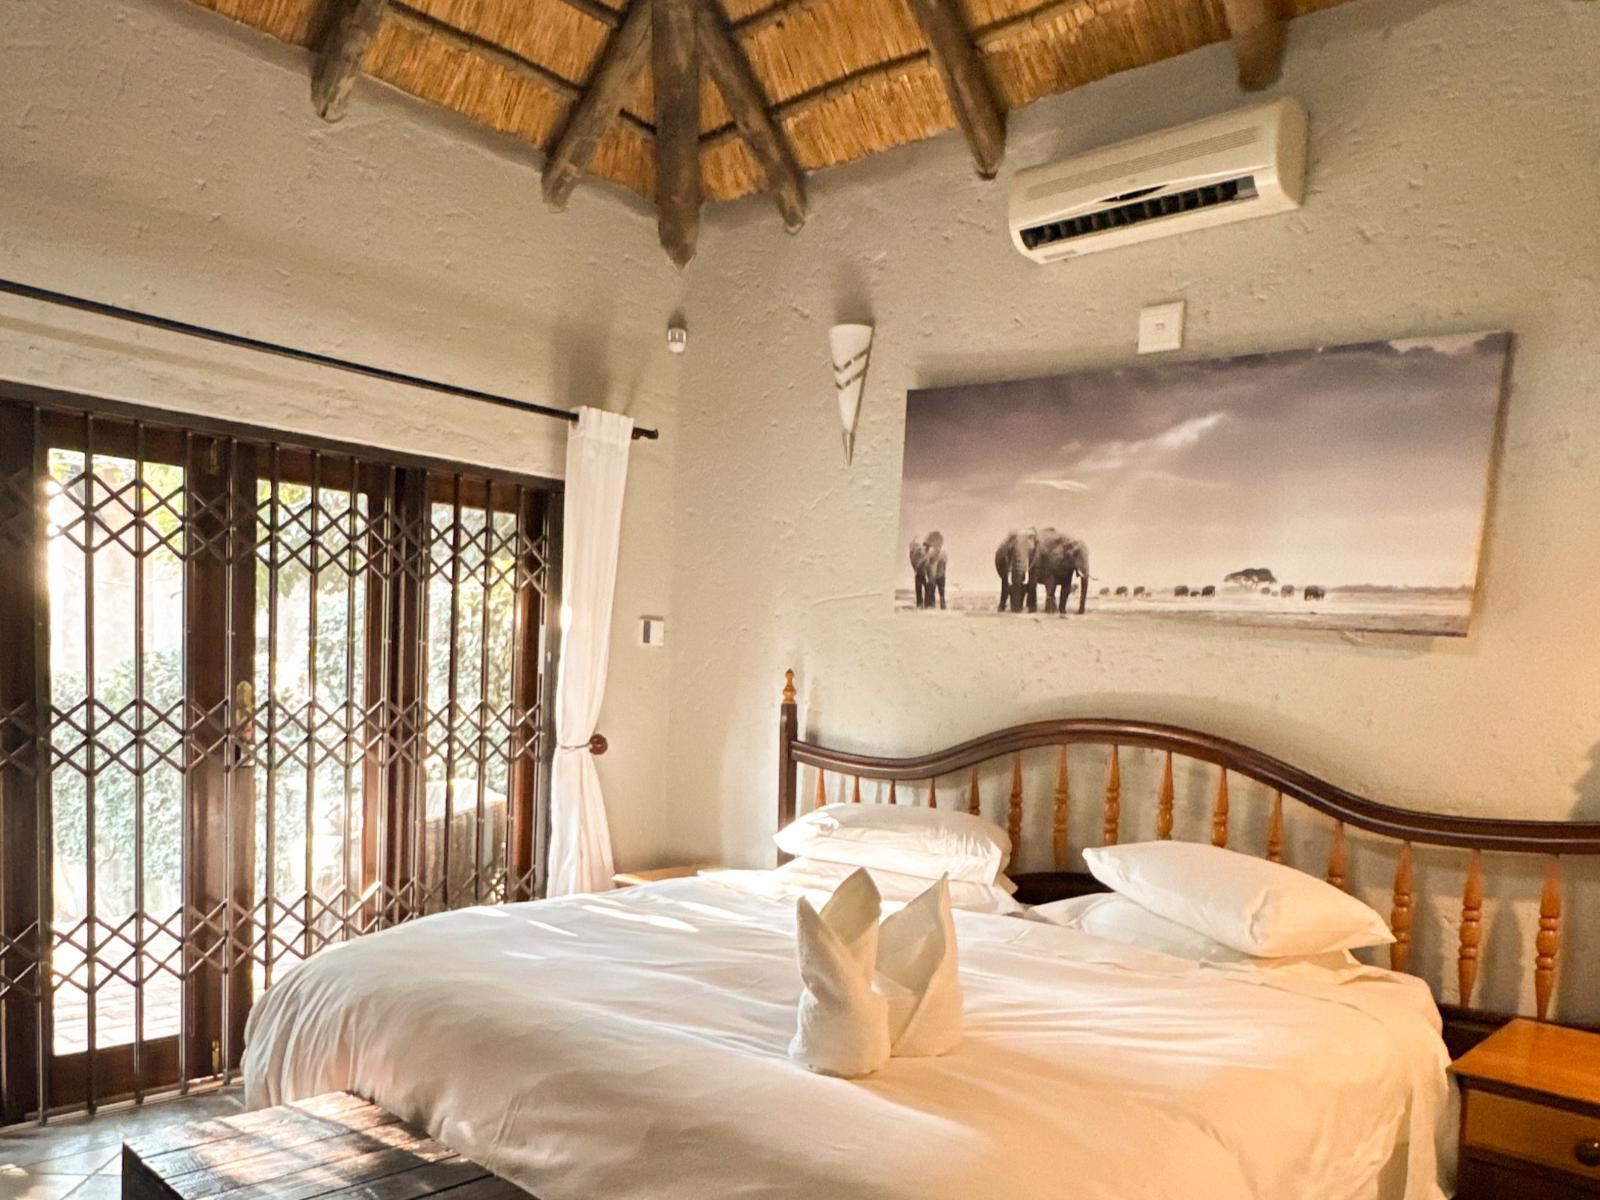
[(1247, 163)]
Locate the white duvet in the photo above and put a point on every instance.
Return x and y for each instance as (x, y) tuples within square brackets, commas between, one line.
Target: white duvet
[(632, 1045)]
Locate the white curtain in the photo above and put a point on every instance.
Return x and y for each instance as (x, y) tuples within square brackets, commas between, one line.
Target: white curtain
[(597, 474)]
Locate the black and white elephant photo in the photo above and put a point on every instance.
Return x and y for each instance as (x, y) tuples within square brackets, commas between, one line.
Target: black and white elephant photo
[(1190, 477), (929, 562)]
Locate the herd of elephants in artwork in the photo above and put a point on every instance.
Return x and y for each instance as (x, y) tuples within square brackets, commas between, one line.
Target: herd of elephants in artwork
[(1025, 559)]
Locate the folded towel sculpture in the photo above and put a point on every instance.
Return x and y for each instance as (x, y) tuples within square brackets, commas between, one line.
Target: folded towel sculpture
[(874, 990)]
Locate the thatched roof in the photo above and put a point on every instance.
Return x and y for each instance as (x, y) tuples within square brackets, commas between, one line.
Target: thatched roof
[(837, 79)]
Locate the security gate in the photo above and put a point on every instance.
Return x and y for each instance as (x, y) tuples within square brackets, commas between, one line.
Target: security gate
[(255, 697)]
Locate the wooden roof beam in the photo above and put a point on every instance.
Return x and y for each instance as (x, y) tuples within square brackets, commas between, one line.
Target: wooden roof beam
[(675, 64), (348, 34), (982, 119), (748, 106), (619, 62), (596, 12), (461, 42), (1256, 27)]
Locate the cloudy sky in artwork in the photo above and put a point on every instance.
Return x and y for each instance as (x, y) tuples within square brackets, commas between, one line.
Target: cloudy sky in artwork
[(1353, 465)]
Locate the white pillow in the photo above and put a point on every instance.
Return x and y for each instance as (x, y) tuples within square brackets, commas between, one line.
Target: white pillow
[(908, 840), (813, 875), (1118, 919), (1260, 908)]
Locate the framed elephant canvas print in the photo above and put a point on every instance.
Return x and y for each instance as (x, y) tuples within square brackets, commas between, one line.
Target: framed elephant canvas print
[(1333, 488)]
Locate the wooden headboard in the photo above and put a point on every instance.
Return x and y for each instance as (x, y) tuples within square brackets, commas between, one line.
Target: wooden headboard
[(914, 780)]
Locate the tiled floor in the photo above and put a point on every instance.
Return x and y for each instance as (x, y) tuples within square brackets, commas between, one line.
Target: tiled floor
[(81, 1157)]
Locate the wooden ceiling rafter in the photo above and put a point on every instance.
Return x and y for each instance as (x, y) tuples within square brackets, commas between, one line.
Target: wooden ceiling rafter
[(787, 85), (1256, 28), (985, 37), (675, 62), (600, 104), (609, 17), (979, 113), (351, 27), (509, 61), (1030, 22), (753, 117), (798, 105)]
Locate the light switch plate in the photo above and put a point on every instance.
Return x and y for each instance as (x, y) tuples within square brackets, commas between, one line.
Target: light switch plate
[(652, 631), (1161, 327)]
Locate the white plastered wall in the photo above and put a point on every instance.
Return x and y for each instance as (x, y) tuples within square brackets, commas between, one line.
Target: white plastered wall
[(1453, 187)]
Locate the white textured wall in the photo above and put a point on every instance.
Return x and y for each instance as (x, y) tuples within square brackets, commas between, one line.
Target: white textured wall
[(1453, 187), (158, 156)]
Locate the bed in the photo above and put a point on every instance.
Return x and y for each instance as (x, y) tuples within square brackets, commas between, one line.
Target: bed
[(633, 1044)]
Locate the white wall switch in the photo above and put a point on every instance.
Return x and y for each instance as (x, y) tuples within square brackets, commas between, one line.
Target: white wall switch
[(652, 631), (1161, 327)]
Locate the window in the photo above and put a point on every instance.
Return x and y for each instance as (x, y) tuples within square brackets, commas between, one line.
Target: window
[(255, 697)]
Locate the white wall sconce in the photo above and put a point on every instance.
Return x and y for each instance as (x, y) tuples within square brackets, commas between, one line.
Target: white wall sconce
[(850, 345)]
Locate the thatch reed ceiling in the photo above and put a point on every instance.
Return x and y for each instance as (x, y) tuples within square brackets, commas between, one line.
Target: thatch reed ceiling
[(823, 81)]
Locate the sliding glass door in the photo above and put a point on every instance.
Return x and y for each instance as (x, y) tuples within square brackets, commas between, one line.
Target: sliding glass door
[(254, 698)]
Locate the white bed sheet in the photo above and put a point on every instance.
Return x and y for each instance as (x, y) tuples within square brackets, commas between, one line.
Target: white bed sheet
[(632, 1045)]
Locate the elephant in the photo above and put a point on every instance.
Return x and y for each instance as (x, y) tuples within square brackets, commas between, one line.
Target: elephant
[(1121, 591), (1180, 590), (1138, 591), (1288, 591), (1208, 590), (1013, 562), (1105, 591), (928, 562), (1059, 558), (1313, 592)]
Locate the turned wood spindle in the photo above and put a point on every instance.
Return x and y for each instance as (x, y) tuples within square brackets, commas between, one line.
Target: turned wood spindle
[(891, 792), (1547, 942), (1402, 912), (933, 795), (1058, 840), (1113, 799), (1164, 802), (1336, 857), (1219, 810), (1014, 814), (855, 792), (1471, 930), (822, 788), (973, 806), (1275, 830)]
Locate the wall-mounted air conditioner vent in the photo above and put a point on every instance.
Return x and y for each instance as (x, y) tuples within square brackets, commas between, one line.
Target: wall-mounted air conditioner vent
[(1242, 164), (1120, 216)]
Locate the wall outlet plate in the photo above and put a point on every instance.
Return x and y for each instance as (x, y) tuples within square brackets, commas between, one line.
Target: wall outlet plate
[(1161, 327)]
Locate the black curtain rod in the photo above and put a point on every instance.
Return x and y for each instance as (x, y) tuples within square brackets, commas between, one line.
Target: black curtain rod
[(61, 299)]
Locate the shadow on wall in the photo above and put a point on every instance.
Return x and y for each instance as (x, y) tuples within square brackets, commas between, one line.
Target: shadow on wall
[(582, 365), (852, 299), (1586, 806)]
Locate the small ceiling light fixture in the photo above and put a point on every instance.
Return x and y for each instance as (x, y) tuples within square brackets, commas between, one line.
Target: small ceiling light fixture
[(677, 337), (850, 345)]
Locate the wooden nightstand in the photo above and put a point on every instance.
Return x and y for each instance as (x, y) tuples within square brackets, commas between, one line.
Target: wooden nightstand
[(623, 879), (1530, 1115)]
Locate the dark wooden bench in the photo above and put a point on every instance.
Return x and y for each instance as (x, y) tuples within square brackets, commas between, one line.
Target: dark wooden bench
[(333, 1147)]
